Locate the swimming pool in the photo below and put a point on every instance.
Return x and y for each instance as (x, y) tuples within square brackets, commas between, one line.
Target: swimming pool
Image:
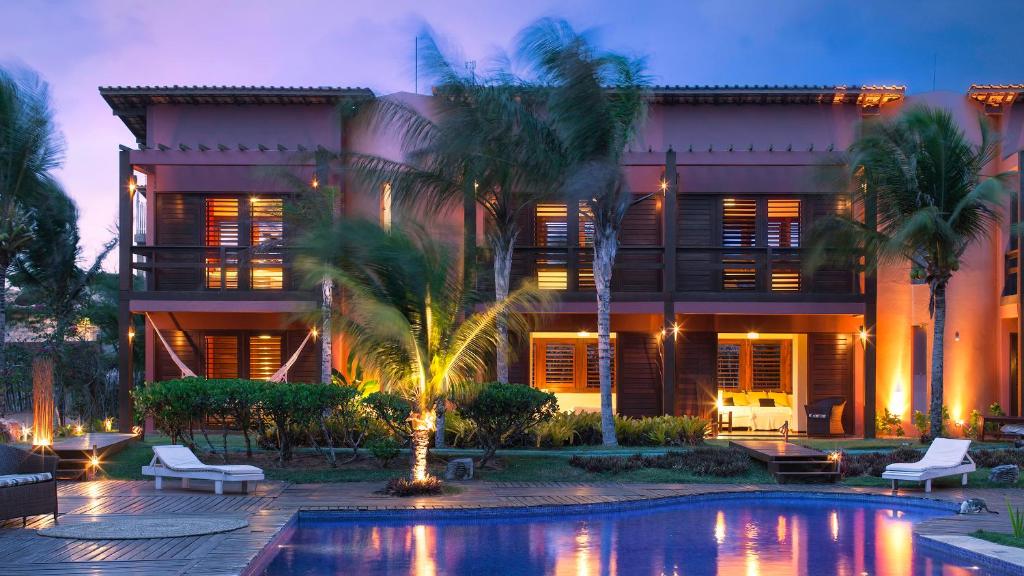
[(766, 535)]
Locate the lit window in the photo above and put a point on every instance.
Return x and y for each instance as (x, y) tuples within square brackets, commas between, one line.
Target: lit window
[(264, 356), (552, 231), (784, 223), (267, 235), (568, 364), (762, 365), (222, 229)]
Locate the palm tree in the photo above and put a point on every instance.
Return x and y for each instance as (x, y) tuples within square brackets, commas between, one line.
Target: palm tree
[(597, 102), (54, 289), (30, 148), (483, 140), (922, 181), (405, 314)]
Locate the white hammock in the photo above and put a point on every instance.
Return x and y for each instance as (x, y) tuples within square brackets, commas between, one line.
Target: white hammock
[(282, 373), (185, 372), (280, 376)]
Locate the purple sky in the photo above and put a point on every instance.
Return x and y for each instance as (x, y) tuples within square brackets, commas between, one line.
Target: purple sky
[(78, 46)]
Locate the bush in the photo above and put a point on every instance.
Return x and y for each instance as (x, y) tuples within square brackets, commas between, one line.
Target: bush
[(504, 411), (704, 461), (889, 424), (384, 450), (393, 411), (993, 458), (556, 432), (459, 432), (405, 487), (874, 463)]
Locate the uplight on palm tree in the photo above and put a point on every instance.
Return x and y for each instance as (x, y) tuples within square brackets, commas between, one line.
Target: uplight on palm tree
[(596, 102), (405, 314), (923, 184)]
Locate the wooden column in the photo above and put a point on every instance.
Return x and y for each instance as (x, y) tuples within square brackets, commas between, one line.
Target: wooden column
[(668, 282), (1015, 403), (870, 324), (125, 370)]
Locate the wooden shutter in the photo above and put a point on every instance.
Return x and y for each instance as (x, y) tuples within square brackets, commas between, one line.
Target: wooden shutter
[(178, 223), (639, 393), (784, 223), (166, 369), (770, 366), (221, 356), (223, 228), (551, 230), (696, 376), (555, 364), (264, 355), (266, 236), (729, 365), (830, 370), (592, 364), (307, 367), (697, 227), (739, 222)]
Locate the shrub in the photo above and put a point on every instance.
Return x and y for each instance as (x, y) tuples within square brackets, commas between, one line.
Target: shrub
[(459, 432), (693, 430), (874, 463), (889, 424), (992, 458), (171, 405), (502, 411), (920, 420), (406, 487), (556, 432), (294, 408), (393, 411), (703, 461), (384, 450)]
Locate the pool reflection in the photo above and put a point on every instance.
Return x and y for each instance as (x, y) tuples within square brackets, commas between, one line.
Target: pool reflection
[(723, 538)]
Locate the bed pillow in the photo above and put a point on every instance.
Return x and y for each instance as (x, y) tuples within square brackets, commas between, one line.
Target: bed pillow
[(767, 402), (740, 399), (728, 401)]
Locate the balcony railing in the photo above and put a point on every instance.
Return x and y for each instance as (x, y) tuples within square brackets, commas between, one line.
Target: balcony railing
[(223, 269), (737, 273)]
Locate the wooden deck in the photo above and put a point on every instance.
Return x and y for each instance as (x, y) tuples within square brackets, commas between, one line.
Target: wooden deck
[(76, 452), (272, 505), (789, 461)]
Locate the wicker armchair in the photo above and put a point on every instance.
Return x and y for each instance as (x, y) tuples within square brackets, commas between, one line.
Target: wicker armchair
[(29, 499), (825, 417)]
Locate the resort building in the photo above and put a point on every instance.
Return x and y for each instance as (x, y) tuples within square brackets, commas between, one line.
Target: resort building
[(712, 310)]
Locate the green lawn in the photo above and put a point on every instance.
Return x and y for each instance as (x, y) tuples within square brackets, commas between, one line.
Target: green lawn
[(999, 538), (520, 465), (977, 479)]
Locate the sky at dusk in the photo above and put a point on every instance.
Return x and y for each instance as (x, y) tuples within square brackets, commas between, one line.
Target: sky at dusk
[(78, 46)]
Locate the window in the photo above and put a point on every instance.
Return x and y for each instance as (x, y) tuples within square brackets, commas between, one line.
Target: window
[(221, 356), (761, 365), (739, 223), (222, 229), (784, 223), (264, 356), (766, 223), (267, 234), (552, 231), (568, 364)]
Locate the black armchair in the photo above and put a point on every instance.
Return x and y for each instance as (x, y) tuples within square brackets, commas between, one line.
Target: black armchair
[(825, 417)]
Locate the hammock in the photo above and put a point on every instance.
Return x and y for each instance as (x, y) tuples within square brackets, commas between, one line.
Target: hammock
[(280, 376), (282, 373), (185, 372)]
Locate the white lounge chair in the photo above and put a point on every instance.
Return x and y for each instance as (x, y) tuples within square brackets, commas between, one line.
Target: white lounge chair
[(945, 457), (175, 461)]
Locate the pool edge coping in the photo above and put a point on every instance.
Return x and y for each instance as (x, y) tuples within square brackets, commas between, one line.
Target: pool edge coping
[(981, 552)]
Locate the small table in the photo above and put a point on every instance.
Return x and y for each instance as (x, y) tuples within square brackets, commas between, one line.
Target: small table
[(999, 420), (723, 421)]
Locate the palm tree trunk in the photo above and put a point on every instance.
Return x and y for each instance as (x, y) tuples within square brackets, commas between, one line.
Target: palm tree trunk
[(3, 340), (419, 442), (439, 432), (326, 361), (503, 247), (605, 246), (938, 343)]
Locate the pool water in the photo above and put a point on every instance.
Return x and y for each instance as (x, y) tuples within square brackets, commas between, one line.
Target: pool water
[(764, 536)]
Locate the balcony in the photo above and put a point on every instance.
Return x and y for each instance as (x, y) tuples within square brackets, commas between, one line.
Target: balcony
[(710, 273), (221, 271)]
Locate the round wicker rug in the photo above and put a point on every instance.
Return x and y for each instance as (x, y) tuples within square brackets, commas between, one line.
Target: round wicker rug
[(144, 527)]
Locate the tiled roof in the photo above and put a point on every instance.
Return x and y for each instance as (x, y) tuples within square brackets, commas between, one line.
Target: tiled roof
[(996, 95), (130, 102), (863, 95)]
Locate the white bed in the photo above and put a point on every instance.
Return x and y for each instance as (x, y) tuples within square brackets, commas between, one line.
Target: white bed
[(747, 412)]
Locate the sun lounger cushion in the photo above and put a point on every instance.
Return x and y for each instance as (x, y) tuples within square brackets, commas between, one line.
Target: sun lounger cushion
[(943, 453), (22, 479)]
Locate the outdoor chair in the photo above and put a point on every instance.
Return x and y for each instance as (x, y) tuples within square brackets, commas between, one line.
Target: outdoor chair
[(28, 484), (176, 461), (945, 457), (825, 417)]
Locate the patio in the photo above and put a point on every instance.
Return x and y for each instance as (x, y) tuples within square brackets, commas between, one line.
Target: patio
[(269, 508)]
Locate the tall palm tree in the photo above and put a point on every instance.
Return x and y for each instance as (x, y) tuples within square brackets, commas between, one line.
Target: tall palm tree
[(484, 139), (405, 316), (922, 181), (597, 102), (54, 289), (30, 148)]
